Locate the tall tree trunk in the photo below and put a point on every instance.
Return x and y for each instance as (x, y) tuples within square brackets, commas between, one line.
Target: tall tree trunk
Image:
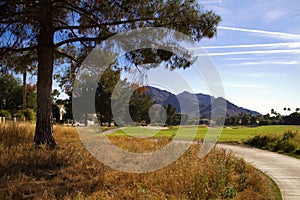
[(109, 118), (44, 127), (24, 90)]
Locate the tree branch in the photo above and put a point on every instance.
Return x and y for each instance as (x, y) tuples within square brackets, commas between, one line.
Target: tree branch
[(12, 49), (66, 55), (80, 11), (107, 23), (72, 31), (82, 39)]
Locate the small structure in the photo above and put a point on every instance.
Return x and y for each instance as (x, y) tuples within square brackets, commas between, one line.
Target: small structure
[(2, 120), (62, 111), (205, 121)]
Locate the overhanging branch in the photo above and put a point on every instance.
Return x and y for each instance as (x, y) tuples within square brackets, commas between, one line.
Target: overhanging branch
[(106, 24), (82, 39), (12, 49), (66, 55)]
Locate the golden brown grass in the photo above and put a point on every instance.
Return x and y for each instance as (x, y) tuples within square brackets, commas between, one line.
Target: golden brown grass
[(70, 172)]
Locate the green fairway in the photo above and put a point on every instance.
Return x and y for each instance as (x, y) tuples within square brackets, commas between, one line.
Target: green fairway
[(229, 134)]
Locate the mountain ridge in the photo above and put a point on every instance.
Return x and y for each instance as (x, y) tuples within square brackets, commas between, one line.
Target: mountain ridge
[(190, 100)]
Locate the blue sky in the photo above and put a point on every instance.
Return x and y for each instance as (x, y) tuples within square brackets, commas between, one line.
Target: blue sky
[(257, 52)]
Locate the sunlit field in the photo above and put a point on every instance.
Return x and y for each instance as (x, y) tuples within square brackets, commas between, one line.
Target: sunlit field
[(70, 172), (229, 134)]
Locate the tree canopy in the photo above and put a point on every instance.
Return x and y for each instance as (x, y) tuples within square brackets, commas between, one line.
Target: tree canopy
[(11, 91), (65, 31)]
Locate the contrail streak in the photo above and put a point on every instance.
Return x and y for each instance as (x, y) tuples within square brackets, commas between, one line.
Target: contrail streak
[(271, 34)]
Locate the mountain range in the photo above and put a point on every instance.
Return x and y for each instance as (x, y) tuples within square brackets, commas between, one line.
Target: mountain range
[(189, 101)]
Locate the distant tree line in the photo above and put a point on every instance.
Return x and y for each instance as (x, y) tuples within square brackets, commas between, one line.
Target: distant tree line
[(289, 117), (11, 105), (273, 118), (140, 103), (11, 101)]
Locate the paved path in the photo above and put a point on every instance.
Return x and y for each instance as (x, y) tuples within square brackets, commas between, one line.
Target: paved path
[(284, 170)]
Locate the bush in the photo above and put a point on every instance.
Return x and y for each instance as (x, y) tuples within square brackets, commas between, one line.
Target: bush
[(260, 141), (289, 134), (285, 146), (20, 114), (4, 113), (27, 114), (30, 114), (288, 143)]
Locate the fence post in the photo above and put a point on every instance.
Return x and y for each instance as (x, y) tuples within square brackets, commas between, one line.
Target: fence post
[(15, 120), (3, 119), (0, 120)]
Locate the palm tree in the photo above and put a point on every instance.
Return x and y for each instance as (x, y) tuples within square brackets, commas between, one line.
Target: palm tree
[(284, 110), (272, 111)]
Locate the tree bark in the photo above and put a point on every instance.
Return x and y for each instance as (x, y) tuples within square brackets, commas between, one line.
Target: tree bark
[(109, 120), (24, 90), (101, 119), (44, 126)]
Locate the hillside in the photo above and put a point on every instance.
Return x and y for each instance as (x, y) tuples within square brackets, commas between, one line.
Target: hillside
[(189, 100)]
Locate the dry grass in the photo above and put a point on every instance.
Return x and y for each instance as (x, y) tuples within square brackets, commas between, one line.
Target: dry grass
[(70, 172)]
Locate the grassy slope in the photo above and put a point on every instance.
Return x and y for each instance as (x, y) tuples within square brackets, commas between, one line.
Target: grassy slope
[(70, 172)]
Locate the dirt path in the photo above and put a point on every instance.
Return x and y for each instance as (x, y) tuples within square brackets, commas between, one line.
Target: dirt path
[(284, 170)]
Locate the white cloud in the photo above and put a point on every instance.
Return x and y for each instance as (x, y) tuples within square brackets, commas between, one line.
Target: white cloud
[(275, 15), (289, 45), (210, 1), (281, 11), (269, 34), (279, 51), (267, 62), (237, 59), (256, 75), (241, 85)]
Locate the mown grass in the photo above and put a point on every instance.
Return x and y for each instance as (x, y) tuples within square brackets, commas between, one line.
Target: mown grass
[(229, 134), (70, 172), (286, 143)]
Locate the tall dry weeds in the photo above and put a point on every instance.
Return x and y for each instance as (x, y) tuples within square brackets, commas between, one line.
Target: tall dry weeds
[(70, 172)]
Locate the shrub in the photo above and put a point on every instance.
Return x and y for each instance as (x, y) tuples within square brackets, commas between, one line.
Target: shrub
[(5, 113), (289, 134), (229, 192), (288, 143), (260, 141), (30, 114), (284, 146), (20, 114), (27, 114)]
